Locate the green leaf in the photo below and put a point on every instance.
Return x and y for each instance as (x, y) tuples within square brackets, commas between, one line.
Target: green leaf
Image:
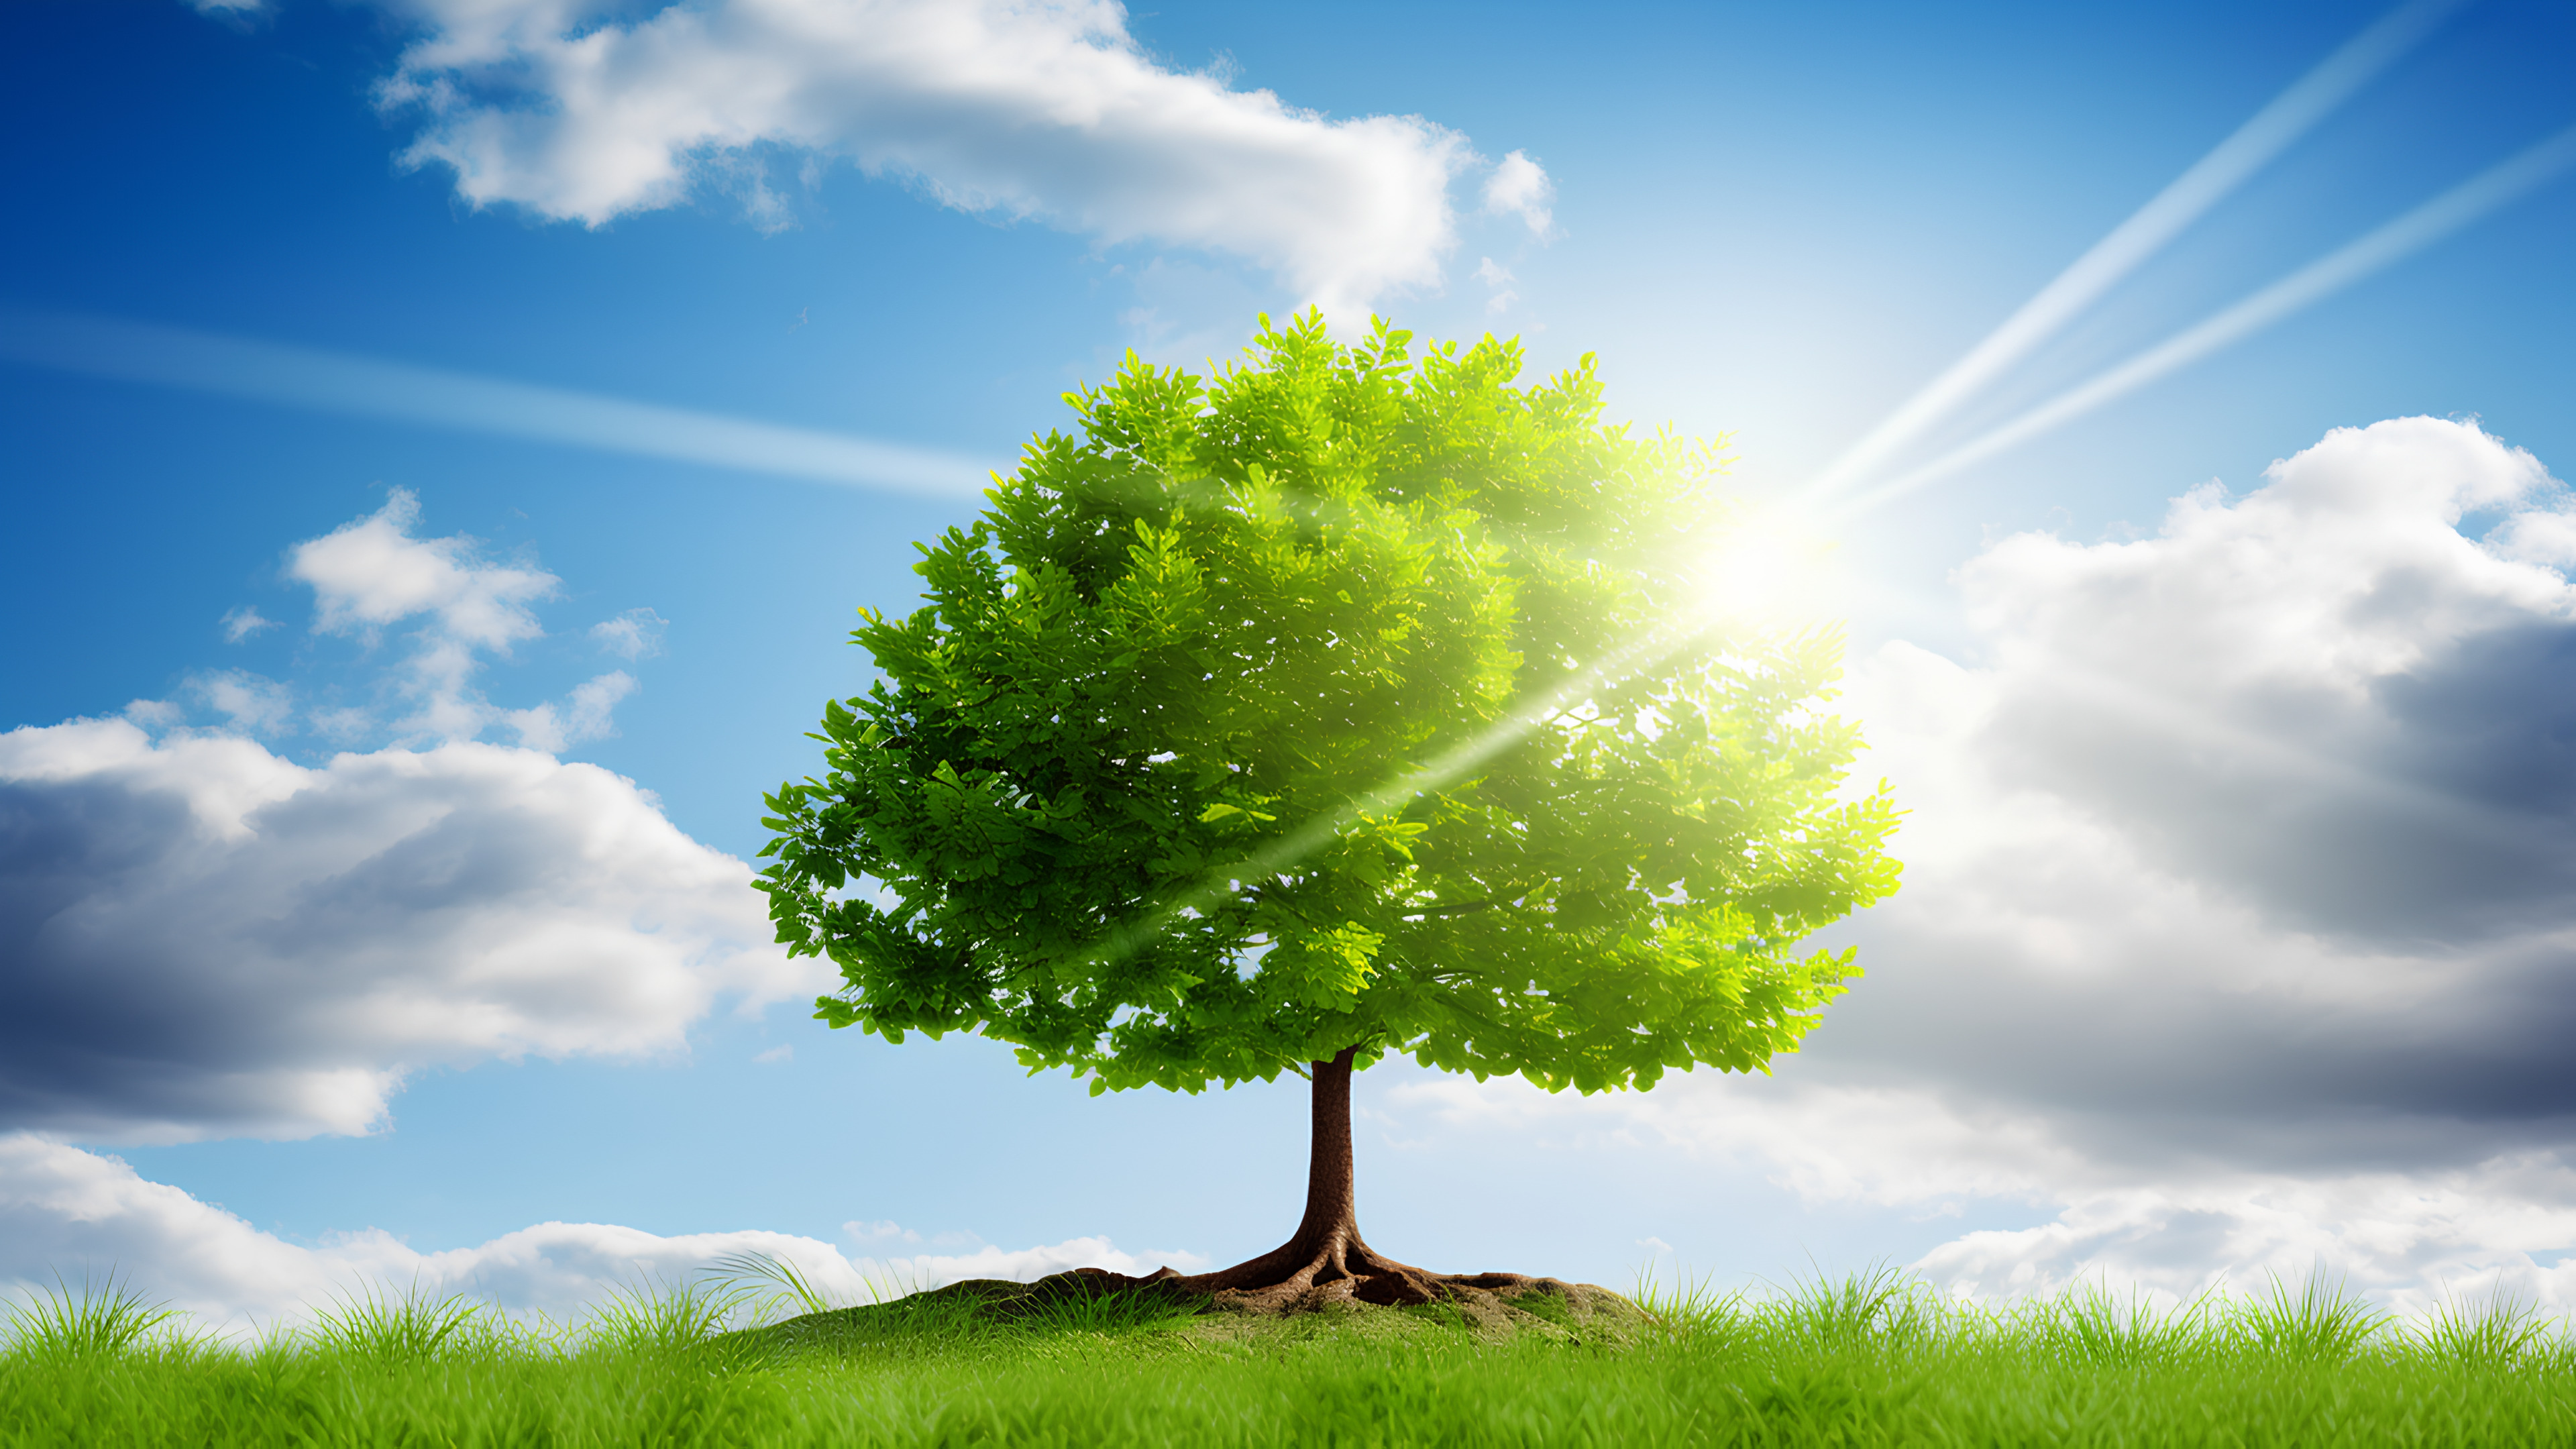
[(1288, 582)]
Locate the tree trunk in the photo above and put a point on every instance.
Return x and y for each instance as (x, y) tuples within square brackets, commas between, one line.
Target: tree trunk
[(1326, 1258), (1332, 1201)]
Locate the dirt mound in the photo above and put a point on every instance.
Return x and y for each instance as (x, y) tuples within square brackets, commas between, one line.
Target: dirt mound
[(1487, 1305)]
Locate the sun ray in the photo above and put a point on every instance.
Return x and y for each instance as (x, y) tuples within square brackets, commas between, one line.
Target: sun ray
[(2271, 130), (2495, 187)]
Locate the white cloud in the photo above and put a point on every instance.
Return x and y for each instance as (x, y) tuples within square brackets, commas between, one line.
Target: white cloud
[(199, 937), (778, 1055), (2321, 705), (2239, 876), (372, 573), (635, 634), (1046, 110), (63, 1210), (205, 939), (585, 715), (2239, 918), (2413, 1241), (934, 1270), (2408, 1237), (346, 725), (251, 703), (1520, 187), (155, 714), (1495, 276), (241, 623), (882, 1231)]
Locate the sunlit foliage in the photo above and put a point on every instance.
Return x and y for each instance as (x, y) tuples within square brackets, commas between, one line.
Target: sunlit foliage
[(1121, 797)]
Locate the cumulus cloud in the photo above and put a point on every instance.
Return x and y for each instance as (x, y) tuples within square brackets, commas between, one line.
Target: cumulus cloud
[(1520, 187), (63, 1209), (1044, 110), (2410, 1237), (2252, 840), (2238, 878), (375, 574), (2237, 922), (2415, 1241), (202, 938), (372, 573)]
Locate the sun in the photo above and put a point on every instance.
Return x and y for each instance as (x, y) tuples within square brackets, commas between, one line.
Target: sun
[(1773, 569)]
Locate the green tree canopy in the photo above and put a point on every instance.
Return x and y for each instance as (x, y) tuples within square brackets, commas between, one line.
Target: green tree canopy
[(1143, 791)]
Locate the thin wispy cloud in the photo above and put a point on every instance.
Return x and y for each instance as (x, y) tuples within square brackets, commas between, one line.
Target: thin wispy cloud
[(335, 382), (2210, 180), (585, 714), (635, 634), (242, 623), (250, 703)]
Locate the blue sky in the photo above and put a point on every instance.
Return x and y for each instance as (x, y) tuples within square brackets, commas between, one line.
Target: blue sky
[(2165, 933)]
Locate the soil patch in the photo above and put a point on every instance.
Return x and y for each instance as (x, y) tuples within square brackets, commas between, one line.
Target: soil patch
[(1494, 1307)]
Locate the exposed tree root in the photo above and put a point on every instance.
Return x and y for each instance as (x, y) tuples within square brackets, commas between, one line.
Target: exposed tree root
[(1327, 1261), (1363, 1276)]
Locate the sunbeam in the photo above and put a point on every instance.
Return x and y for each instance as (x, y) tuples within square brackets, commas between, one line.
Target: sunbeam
[(1281, 855), (367, 387), (2272, 129), (2463, 204), (1759, 560)]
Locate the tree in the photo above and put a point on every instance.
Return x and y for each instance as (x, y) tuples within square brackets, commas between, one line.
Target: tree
[(1338, 704)]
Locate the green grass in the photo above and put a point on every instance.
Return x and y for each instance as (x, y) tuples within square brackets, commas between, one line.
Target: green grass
[(1872, 1359)]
